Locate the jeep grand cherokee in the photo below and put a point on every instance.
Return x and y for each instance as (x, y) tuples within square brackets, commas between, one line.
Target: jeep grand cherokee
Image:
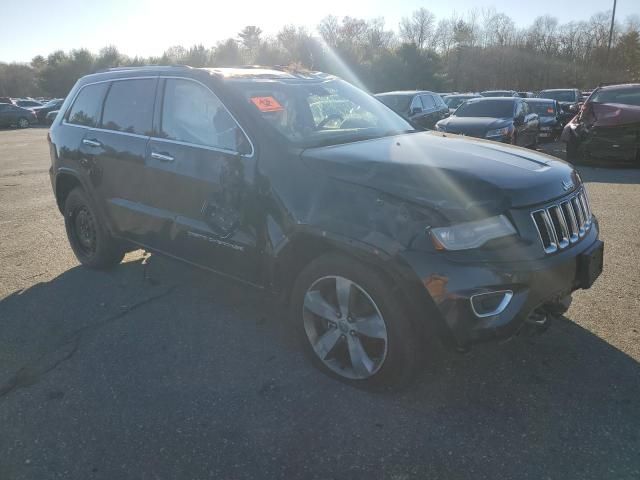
[(296, 182)]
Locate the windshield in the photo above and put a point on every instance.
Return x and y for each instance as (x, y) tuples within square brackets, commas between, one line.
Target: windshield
[(626, 96), (52, 103), (497, 93), (316, 114), (543, 109), (486, 108), (559, 95), (398, 103), (455, 102)]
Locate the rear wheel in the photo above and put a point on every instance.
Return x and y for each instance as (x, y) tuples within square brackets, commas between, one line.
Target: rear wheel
[(23, 122), (351, 326), (90, 241)]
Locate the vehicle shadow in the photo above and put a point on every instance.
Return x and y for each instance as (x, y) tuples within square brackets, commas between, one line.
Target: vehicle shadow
[(208, 366)]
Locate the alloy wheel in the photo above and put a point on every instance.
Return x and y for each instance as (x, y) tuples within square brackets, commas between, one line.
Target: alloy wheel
[(345, 327)]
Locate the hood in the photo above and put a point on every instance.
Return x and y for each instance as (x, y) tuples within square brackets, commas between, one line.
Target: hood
[(464, 179), (473, 126), (611, 114)]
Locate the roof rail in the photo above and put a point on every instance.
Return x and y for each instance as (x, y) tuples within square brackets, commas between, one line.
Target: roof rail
[(140, 67)]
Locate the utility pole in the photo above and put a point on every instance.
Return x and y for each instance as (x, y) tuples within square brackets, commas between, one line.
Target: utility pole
[(613, 19)]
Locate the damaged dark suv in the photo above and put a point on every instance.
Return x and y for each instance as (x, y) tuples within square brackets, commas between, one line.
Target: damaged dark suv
[(376, 236)]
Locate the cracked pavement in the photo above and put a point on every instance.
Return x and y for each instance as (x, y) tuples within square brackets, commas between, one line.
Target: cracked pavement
[(157, 370)]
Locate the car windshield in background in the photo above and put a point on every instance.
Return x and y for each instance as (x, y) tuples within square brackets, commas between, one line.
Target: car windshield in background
[(486, 108), (396, 102), (559, 95), (625, 96), (52, 103), (317, 114), (497, 93), (543, 109), (455, 102)]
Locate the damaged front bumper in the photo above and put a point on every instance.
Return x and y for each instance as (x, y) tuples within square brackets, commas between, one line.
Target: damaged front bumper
[(478, 302)]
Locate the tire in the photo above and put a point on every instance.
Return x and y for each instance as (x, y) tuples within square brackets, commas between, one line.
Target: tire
[(375, 347), (23, 123), (89, 239)]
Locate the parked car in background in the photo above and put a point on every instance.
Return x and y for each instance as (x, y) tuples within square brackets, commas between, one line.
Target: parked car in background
[(27, 103), (499, 93), (548, 111), (454, 101), (422, 108), (7, 100), (507, 120), (526, 94), (584, 94), (378, 237), (51, 105), (607, 129), (51, 116), (11, 115), (568, 98)]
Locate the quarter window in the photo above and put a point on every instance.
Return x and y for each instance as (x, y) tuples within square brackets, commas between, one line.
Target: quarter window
[(86, 107), (191, 113), (129, 106)]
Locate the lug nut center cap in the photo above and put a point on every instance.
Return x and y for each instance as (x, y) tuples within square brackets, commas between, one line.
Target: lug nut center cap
[(344, 328)]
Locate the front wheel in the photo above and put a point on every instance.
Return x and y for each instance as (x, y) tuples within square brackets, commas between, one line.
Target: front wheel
[(89, 239), (351, 325), (23, 123)]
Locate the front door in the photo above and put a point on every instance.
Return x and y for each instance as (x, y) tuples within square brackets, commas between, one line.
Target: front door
[(201, 166)]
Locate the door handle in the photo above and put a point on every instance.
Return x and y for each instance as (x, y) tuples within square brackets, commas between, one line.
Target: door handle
[(91, 143), (162, 157)]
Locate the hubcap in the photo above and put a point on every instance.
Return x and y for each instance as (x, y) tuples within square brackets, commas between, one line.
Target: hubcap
[(85, 230), (345, 327)]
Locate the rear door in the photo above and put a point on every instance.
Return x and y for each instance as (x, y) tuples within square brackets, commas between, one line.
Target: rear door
[(201, 165), (117, 148)]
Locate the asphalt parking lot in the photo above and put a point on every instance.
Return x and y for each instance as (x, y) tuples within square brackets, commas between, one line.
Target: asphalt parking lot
[(157, 370)]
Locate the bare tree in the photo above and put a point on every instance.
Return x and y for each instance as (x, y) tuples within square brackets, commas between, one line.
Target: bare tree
[(419, 28)]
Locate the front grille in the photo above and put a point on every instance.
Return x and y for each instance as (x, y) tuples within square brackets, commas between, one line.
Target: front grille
[(564, 223)]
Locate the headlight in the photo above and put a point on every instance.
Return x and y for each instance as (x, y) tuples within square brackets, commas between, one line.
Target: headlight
[(499, 132), (464, 236)]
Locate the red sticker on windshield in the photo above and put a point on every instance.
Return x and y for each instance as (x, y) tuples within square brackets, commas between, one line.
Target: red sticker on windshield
[(267, 104), (549, 110)]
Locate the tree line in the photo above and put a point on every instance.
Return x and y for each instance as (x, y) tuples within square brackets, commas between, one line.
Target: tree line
[(482, 49)]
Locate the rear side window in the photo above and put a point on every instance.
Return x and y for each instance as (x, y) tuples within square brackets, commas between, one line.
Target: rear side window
[(86, 108), (129, 106), (191, 113), (428, 102)]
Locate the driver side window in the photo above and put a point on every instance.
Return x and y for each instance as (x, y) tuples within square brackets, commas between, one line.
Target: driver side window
[(416, 103), (191, 113)]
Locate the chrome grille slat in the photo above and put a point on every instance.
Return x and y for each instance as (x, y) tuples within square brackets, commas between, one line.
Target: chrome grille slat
[(561, 224), (572, 223)]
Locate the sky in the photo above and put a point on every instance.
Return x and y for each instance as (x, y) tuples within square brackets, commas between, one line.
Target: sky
[(148, 27)]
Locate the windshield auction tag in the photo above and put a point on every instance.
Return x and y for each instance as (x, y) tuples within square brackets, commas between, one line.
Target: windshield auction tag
[(267, 104)]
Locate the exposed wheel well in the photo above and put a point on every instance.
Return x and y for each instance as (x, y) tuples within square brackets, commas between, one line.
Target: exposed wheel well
[(304, 250), (65, 182)]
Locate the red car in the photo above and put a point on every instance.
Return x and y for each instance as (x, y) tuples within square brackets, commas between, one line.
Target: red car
[(607, 128)]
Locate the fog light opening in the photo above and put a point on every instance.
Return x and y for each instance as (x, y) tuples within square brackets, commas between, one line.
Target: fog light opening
[(491, 303)]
